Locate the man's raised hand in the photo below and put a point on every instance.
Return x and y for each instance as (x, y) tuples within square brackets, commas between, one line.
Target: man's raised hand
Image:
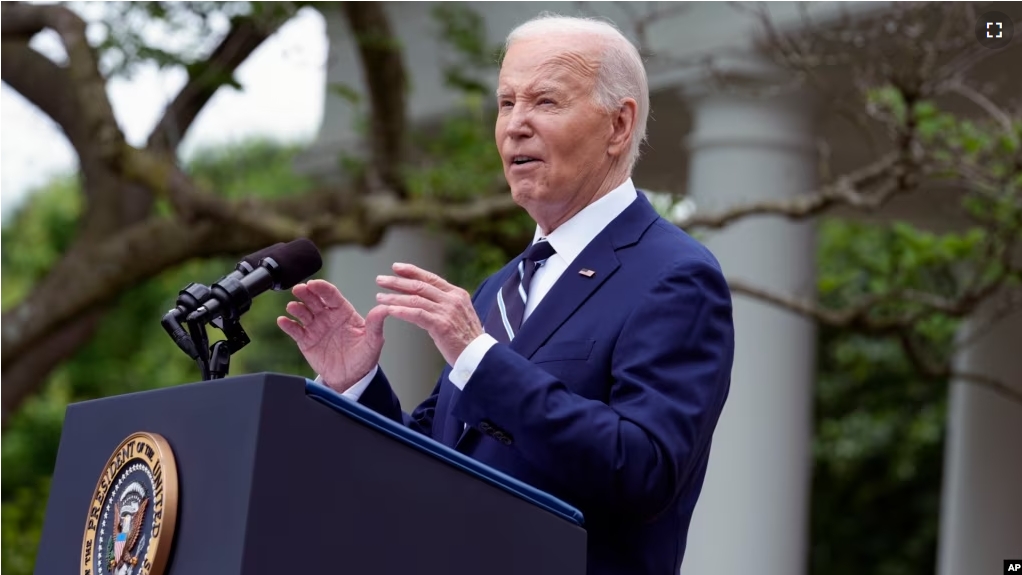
[(338, 343), (425, 299)]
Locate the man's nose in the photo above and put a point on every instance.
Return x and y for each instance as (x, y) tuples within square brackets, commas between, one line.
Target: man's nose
[(519, 125)]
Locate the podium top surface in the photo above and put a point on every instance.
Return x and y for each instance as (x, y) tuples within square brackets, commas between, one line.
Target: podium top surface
[(436, 449)]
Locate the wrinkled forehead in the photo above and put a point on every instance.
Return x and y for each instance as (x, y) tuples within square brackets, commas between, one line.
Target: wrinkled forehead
[(571, 63)]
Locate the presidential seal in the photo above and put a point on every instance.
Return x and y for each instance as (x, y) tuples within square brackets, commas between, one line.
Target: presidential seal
[(131, 518)]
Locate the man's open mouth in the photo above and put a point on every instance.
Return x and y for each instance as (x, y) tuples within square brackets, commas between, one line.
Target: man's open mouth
[(520, 160)]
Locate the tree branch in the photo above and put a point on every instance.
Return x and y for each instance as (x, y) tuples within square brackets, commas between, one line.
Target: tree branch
[(851, 189), (944, 372), (244, 37), (384, 72), (858, 317), (20, 21), (24, 376), (44, 84), (986, 104), (88, 84), (100, 142), (107, 267)]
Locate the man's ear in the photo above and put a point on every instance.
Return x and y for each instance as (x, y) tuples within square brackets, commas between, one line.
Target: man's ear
[(622, 124)]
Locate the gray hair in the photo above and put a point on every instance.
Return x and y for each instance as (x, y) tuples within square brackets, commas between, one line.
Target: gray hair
[(621, 74)]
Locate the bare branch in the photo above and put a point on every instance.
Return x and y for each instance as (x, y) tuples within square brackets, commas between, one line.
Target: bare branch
[(385, 74), (855, 316), (640, 22), (944, 372), (45, 85), (991, 383), (94, 130), (22, 378), (88, 83), (858, 317), (106, 267), (846, 190), (244, 37), (986, 104), (19, 21)]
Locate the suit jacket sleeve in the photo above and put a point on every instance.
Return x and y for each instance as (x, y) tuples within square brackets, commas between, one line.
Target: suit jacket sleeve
[(670, 372)]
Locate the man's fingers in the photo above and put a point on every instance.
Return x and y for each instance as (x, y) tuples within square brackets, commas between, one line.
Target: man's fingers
[(413, 315), (412, 286), (291, 328), (414, 272), (404, 300), (298, 310), (311, 300), (329, 295)]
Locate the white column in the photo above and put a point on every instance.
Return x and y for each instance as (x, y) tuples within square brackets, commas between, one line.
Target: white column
[(753, 512), (981, 503)]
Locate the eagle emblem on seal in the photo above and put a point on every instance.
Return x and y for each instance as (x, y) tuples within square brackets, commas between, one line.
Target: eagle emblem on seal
[(129, 515)]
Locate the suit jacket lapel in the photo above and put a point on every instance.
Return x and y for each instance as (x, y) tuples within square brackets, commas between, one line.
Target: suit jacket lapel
[(572, 289)]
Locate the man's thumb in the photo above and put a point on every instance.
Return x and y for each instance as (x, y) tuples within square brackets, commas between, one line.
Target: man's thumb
[(374, 324)]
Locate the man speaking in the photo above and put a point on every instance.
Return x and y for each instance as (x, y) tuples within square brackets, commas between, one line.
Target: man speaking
[(593, 366)]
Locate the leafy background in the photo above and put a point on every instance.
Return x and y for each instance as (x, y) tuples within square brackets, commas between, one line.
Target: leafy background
[(879, 424), (879, 427)]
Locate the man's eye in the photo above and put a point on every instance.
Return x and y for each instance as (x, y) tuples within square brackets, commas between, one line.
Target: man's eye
[(506, 104), (545, 101)]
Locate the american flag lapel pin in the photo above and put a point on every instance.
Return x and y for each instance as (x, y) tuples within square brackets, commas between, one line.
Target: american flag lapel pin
[(586, 272)]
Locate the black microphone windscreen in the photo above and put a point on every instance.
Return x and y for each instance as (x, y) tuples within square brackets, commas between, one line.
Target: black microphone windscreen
[(297, 260), (253, 259)]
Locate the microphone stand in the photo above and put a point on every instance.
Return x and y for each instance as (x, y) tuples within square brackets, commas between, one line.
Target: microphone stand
[(214, 361), (201, 342), (220, 353), (192, 342)]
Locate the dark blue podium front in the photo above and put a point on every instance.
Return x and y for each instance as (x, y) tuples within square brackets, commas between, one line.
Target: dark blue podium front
[(280, 475)]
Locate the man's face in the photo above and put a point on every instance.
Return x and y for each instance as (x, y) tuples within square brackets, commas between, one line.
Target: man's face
[(551, 136)]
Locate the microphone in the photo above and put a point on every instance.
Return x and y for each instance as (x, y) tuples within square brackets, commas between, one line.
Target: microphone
[(193, 294), (281, 268), (249, 263)]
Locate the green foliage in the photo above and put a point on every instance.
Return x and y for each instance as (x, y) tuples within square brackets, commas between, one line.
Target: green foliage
[(464, 30), (877, 450), (46, 227), (905, 274), (22, 525), (130, 351), (458, 156), (457, 159), (878, 456), (889, 102), (878, 446), (462, 162)]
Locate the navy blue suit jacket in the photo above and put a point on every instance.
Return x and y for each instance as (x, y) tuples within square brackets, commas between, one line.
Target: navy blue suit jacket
[(608, 396)]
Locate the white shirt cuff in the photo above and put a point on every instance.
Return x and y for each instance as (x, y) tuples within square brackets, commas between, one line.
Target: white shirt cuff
[(469, 359), (354, 392)]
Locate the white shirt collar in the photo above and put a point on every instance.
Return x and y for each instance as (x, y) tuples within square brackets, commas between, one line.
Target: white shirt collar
[(571, 237)]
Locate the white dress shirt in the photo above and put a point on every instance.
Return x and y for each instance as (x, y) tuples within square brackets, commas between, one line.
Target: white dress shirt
[(569, 239)]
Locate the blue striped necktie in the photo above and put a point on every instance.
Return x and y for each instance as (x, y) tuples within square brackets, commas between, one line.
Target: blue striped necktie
[(508, 312)]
